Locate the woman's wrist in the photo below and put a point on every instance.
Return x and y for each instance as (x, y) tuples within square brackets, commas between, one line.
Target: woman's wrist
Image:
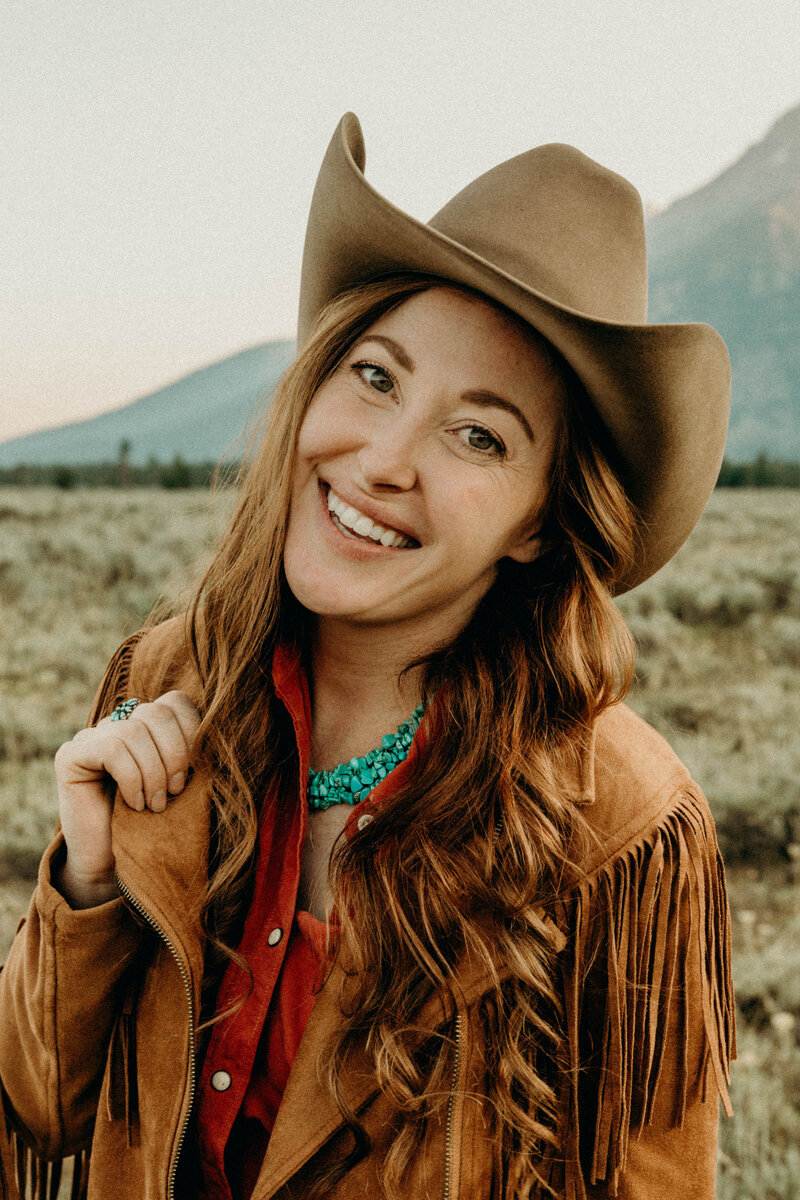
[(82, 890)]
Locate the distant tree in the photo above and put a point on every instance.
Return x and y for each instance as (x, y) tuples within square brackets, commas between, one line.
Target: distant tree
[(762, 472), (732, 475), (20, 475), (124, 464), (64, 476), (177, 475), (151, 475)]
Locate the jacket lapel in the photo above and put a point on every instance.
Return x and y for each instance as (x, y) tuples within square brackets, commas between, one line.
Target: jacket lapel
[(162, 862)]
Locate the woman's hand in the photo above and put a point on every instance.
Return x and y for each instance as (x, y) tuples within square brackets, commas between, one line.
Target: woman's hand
[(147, 757)]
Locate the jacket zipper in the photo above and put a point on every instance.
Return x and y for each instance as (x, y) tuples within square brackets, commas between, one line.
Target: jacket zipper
[(187, 985), (451, 1109)]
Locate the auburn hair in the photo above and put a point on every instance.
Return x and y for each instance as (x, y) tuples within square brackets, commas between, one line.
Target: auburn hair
[(467, 854)]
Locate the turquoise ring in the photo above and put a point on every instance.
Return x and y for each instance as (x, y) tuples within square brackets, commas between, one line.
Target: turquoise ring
[(124, 710)]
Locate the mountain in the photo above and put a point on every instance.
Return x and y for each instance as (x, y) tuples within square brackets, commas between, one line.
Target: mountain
[(729, 254), (200, 417)]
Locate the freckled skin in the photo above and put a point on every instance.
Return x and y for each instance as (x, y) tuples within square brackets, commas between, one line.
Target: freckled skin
[(466, 480)]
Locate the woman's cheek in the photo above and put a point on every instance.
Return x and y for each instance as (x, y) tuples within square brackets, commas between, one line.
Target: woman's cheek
[(329, 429)]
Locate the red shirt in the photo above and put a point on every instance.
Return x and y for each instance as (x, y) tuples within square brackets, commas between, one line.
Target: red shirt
[(249, 1055)]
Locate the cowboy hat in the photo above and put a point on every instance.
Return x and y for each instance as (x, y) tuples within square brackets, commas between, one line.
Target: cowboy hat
[(559, 240)]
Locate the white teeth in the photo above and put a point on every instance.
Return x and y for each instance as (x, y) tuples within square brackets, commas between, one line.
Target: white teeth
[(363, 525)]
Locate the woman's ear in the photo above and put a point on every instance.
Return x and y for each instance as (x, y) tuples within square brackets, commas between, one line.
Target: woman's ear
[(527, 549), (528, 543)]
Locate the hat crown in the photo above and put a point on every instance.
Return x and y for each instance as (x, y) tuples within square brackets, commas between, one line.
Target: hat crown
[(561, 224)]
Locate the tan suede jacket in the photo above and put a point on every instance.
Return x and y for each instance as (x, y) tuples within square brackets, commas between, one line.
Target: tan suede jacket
[(98, 1008)]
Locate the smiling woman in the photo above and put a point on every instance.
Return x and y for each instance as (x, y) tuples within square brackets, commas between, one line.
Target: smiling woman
[(367, 882)]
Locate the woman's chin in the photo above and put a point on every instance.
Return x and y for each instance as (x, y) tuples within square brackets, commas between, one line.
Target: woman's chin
[(323, 601)]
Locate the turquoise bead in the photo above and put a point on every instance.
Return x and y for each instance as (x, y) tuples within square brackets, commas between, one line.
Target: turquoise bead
[(351, 782)]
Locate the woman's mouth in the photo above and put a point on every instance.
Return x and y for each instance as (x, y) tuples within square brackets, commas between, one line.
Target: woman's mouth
[(354, 524)]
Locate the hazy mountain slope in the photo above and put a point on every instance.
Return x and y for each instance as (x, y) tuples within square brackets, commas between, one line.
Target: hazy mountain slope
[(729, 254), (199, 417)]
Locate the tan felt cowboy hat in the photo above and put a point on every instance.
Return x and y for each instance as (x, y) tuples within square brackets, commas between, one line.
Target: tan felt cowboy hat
[(559, 240)]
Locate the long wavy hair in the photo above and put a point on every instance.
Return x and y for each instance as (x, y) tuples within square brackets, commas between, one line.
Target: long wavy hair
[(468, 853)]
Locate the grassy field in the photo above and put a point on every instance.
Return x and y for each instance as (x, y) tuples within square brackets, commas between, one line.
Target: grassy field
[(719, 639)]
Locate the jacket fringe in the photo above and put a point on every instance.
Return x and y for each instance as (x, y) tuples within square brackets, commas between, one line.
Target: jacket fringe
[(650, 949), (122, 1099), (114, 686), (35, 1178), (23, 1174)]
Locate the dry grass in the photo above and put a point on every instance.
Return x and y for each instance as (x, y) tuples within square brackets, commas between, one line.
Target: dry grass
[(718, 631), (78, 572), (719, 637)]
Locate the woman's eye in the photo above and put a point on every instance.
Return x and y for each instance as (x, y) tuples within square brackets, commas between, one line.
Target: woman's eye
[(478, 438), (374, 376)]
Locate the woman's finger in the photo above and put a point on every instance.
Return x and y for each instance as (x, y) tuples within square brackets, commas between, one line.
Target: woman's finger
[(169, 737), (114, 756), (136, 743)]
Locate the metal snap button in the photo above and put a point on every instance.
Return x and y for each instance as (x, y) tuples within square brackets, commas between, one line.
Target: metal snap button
[(275, 936), (364, 820), (221, 1081)]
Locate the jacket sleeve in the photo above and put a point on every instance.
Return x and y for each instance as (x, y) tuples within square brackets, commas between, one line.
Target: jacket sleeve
[(649, 1013), (59, 991)]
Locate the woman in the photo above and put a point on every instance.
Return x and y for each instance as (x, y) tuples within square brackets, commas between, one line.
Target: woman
[(486, 955)]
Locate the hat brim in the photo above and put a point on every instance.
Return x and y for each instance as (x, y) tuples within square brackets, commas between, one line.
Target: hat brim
[(661, 391)]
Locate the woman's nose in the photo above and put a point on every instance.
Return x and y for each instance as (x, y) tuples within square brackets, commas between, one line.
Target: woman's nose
[(390, 461)]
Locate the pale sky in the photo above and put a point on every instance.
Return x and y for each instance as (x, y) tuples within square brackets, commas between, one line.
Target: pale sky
[(158, 156)]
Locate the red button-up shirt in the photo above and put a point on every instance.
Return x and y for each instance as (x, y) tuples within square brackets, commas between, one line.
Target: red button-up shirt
[(249, 1055)]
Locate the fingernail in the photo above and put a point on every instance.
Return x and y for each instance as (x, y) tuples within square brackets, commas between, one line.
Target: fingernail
[(138, 803), (176, 782), (158, 801)]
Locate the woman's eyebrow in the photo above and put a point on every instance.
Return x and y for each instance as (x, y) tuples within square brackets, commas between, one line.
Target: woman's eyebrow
[(486, 399), (395, 349)]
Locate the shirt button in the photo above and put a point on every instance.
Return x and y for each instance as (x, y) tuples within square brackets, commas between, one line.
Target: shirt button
[(364, 820), (275, 936), (221, 1081)]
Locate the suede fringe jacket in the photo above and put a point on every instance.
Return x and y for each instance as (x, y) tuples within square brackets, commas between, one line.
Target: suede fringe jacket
[(98, 1008)]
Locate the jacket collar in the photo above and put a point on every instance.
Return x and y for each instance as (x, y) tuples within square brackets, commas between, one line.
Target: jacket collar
[(577, 769), (162, 865)]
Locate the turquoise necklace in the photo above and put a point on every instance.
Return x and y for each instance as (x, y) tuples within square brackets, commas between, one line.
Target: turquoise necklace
[(353, 781)]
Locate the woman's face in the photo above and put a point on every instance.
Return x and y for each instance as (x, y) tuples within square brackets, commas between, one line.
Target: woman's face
[(421, 463)]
